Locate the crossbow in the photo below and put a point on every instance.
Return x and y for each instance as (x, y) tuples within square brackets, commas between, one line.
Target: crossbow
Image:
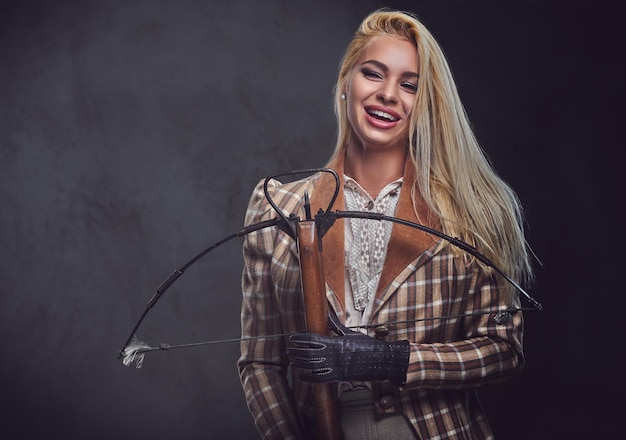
[(307, 233)]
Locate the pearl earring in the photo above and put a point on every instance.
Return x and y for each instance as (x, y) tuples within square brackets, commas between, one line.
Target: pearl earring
[(343, 96)]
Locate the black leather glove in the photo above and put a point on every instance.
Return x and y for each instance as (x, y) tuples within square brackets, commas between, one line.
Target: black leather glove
[(349, 356)]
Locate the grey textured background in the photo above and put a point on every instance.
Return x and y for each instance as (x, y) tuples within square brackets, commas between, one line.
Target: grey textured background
[(132, 132)]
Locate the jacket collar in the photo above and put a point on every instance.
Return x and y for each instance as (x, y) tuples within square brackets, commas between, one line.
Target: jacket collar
[(406, 244)]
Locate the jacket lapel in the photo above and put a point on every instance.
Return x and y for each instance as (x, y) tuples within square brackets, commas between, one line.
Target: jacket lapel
[(405, 243), (333, 241)]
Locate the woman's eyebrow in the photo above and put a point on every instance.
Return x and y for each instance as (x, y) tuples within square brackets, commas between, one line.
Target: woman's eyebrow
[(385, 69)]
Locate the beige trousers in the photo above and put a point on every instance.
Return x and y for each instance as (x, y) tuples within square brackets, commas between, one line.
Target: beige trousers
[(359, 421)]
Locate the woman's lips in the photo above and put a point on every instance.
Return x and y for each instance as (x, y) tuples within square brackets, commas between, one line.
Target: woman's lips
[(381, 117)]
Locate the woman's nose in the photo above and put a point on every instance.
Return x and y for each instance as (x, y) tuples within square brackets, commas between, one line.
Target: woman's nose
[(387, 93)]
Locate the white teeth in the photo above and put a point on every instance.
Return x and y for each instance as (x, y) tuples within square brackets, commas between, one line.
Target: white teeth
[(382, 114)]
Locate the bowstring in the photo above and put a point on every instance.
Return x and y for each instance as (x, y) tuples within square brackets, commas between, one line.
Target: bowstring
[(135, 350)]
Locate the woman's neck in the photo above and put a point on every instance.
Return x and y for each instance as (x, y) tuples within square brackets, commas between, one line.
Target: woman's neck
[(374, 169)]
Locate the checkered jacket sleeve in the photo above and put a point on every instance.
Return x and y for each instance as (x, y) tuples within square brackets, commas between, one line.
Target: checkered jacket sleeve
[(271, 305), (458, 352)]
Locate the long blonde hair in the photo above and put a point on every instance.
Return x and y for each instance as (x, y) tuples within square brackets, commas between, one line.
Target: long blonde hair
[(454, 177)]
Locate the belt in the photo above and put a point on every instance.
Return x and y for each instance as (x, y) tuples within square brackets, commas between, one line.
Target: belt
[(384, 399), (357, 400)]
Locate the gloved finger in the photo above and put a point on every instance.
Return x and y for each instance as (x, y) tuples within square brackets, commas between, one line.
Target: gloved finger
[(308, 340), (304, 352), (335, 323), (306, 363)]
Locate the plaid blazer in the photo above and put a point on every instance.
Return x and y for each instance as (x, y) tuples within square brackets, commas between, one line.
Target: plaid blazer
[(450, 357)]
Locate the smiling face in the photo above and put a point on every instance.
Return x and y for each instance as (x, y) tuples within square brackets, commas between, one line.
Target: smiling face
[(380, 93)]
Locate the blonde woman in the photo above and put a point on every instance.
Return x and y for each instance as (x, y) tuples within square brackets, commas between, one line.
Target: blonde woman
[(405, 149)]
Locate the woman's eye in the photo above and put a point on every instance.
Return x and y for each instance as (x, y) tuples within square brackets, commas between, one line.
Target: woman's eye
[(409, 87), (371, 74)]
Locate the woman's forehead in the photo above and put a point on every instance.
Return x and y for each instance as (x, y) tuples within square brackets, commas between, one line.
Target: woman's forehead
[(394, 52)]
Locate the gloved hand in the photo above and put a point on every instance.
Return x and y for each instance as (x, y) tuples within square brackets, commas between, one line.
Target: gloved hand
[(349, 356)]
